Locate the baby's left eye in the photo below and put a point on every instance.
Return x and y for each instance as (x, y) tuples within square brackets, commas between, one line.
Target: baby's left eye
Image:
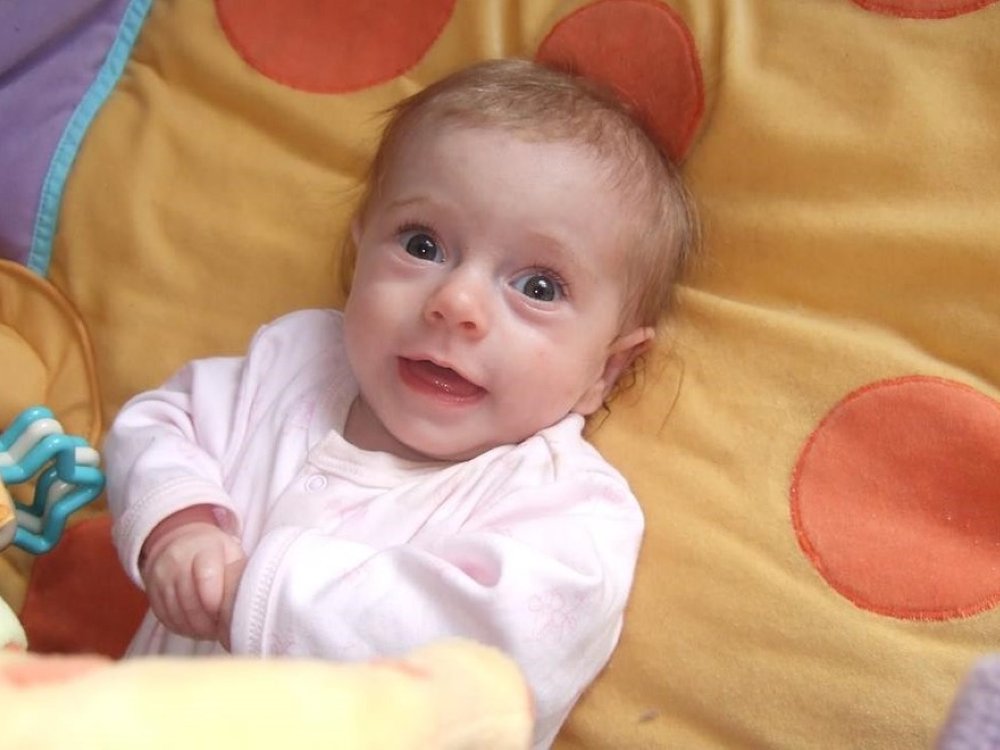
[(543, 287), (421, 245)]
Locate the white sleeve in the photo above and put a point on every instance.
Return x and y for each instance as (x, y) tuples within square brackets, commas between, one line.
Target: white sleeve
[(171, 447), (165, 450), (545, 580)]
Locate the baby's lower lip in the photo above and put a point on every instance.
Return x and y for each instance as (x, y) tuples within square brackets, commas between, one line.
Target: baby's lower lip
[(441, 382)]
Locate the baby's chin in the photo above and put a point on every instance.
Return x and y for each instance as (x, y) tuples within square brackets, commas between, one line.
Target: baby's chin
[(442, 451), (441, 444), (445, 447), (464, 438)]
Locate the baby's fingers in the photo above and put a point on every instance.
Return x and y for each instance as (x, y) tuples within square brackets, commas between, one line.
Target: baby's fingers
[(174, 598), (233, 575), (157, 604), (160, 583), (208, 573), (166, 603), (196, 620)]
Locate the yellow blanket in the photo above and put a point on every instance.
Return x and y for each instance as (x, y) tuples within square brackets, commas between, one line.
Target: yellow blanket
[(815, 439)]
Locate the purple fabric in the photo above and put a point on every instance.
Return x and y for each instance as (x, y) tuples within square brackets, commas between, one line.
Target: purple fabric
[(974, 721), (50, 51)]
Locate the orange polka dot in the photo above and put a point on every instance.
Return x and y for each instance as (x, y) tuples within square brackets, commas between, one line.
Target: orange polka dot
[(896, 499), (644, 50), (331, 46), (923, 8)]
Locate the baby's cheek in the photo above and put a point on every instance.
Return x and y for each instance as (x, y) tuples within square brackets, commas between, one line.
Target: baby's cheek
[(558, 381)]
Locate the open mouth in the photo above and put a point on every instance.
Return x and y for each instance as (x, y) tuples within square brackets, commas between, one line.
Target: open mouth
[(427, 377)]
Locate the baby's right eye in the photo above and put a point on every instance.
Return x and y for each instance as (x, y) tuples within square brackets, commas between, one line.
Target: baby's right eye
[(421, 245)]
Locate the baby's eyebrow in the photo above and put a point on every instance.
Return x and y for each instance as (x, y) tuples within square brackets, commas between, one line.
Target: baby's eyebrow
[(409, 202), (421, 201), (555, 251)]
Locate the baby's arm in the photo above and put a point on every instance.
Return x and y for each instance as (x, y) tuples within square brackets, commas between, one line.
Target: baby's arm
[(190, 568), (167, 451), (175, 523), (174, 447)]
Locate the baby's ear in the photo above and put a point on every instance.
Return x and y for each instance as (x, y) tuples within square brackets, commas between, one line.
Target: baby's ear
[(621, 353)]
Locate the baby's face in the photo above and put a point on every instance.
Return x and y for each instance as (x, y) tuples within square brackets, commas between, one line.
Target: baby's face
[(488, 291)]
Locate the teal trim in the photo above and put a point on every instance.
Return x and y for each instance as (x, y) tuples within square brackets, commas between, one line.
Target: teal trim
[(40, 255)]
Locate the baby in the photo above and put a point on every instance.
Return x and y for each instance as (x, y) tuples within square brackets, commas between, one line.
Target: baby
[(361, 483)]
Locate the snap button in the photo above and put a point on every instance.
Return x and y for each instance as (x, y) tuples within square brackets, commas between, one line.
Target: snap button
[(316, 483)]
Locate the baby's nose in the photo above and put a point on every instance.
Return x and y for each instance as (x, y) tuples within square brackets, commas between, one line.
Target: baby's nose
[(460, 302)]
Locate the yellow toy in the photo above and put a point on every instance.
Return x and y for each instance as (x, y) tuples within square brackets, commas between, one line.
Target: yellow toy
[(8, 520), (454, 695), (12, 636)]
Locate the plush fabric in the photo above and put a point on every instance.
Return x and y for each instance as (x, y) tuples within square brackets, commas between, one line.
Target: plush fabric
[(46, 358), (812, 440), (79, 599), (59, 59), (974, 719), (454, 695)]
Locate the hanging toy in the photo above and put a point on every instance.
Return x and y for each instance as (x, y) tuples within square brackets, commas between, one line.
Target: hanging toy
[(64, 469)]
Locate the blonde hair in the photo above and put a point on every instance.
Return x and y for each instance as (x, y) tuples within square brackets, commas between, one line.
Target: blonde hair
[(543, 103)]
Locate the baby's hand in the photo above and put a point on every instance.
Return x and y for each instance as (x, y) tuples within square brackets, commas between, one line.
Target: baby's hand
[(188, 570)]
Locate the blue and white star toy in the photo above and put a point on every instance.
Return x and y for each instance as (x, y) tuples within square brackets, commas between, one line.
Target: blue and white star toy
[(64, 469)]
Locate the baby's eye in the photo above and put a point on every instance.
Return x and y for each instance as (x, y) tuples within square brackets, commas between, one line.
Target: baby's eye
[(544, 287), (421, 245)]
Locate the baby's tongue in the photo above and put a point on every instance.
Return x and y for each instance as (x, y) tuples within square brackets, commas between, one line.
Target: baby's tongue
[(444, 378)]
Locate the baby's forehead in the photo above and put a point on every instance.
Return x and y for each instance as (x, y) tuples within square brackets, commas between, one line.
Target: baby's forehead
[(460, 145), (615, 161)]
